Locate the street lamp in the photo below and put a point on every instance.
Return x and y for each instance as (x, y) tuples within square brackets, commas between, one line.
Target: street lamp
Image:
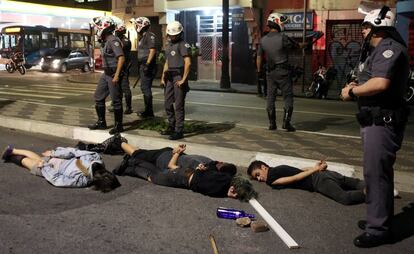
[(225, 77)]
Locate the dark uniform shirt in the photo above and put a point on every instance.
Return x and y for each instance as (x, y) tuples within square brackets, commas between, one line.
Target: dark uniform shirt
[(126, 47), (275, 45), (146, 43), (175, 53), (389, 59), (286, 171), (111, 51)]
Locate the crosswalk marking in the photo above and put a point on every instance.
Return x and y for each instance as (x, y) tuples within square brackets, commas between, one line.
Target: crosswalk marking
[(64, 88), (33, 95), (42, 91)]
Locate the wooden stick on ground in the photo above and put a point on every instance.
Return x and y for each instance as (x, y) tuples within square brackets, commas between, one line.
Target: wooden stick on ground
[(213, 244)]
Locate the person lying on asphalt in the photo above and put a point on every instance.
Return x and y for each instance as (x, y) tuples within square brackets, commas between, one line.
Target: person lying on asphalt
[(65, 167), (196, 172), (342, 189)]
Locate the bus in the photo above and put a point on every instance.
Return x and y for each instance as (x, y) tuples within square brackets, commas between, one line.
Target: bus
[(34, 42)]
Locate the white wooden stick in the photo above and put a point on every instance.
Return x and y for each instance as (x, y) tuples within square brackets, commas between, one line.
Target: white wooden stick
[(286, 238)]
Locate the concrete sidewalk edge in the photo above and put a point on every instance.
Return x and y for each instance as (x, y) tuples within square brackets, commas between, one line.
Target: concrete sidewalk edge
[(404, 181), (236, 156)]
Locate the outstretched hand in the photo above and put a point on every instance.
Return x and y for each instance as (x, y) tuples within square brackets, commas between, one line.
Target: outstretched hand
[(47, 153)]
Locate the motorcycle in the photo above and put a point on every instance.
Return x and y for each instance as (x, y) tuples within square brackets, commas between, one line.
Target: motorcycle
[(319, 86), (16, 63), (409, 96)]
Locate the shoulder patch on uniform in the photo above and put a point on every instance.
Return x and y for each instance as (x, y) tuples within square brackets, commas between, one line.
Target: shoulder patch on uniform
[(173, 53), (388, 53), (187, 45), (117, 44)]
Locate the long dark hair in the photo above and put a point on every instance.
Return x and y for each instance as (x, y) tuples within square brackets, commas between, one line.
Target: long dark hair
[(103, 180)]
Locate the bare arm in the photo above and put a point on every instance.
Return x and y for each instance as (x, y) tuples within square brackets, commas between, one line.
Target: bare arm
[(121, 61), (258, 63), (319, 166), (151, 56), (172, 165), (163, 73)]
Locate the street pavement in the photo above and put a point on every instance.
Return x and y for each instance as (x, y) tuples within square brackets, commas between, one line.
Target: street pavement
[(140, 217), (222, 141)]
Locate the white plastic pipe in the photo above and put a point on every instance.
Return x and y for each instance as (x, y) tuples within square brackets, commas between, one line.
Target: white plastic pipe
[(286, 238)]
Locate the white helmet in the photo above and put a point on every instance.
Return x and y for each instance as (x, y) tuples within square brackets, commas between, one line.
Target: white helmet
[(120, 25), (383, 17), (174, 28), (278, 19), (140, 23), (103, 24)]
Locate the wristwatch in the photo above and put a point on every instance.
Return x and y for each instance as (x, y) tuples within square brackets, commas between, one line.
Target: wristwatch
[(351, 93)]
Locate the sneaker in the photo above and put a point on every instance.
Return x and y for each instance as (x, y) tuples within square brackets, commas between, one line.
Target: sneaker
[(7, 152)]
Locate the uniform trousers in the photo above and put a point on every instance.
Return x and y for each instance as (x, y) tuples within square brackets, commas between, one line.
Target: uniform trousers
[(380, 144), (175, 103), (104, 88), (279, 79)]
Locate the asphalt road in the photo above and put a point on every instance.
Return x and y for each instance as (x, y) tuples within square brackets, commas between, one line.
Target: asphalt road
[(139, 217), (311, 115)]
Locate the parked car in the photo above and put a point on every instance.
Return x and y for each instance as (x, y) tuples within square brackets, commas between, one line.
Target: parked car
[(64, 59)]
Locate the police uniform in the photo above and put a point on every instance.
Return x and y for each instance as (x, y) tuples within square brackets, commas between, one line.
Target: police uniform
[(382, 118), (175, 53), (275, 45), (110, 52), (147, 72), (126, 90)]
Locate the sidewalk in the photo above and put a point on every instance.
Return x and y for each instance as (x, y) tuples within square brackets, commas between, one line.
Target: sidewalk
[(221, 141)]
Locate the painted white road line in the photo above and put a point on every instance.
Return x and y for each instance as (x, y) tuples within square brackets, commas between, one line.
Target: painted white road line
[(64, 87), (39, 91), (32, 95), (286, 238)]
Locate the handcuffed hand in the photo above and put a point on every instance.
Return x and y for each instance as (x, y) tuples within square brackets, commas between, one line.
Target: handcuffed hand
[(180, 148)]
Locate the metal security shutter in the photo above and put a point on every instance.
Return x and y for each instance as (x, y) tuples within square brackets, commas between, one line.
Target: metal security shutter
[(343, 46), (411, 41)]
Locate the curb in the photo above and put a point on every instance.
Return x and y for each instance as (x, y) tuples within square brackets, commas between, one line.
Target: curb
[(238, 157)]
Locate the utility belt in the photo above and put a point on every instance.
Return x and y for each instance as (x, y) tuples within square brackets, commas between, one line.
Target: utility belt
[(272, 67), (380, 117), (170, 74), (110, 71)]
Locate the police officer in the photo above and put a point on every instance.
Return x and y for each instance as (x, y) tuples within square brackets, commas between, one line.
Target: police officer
[(113, 59), (174, 79), (147, 61), (120, 32), (276, 46), (382, 76)]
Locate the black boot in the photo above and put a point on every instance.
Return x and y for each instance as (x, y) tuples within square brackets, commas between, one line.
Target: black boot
[(271, 114), (148, 112), (128, 102), (287, 116), (118, 122), (101, 123)]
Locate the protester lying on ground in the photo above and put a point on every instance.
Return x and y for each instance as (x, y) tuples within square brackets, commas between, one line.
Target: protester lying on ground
[(194, 172), (65, 167), (345, 190)]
